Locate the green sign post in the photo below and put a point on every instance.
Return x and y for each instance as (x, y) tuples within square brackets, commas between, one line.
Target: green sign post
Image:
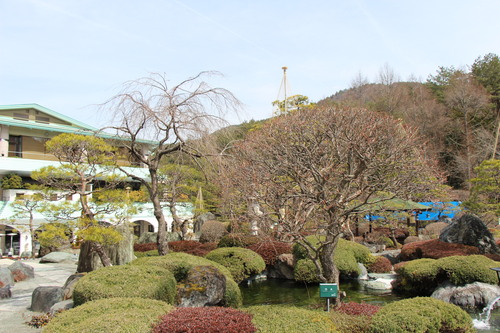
[(328, 290)]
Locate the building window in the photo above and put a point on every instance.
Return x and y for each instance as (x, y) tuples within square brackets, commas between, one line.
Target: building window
[(21, 116), (15, 146), (19, 195), (53, 197), (41, 119)]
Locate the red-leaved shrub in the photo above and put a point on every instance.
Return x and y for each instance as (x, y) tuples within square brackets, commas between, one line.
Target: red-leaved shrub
[(380, 265), (435, 249), (192, 247), (358, 309), (145, 247), (205, 320), (270, 250)]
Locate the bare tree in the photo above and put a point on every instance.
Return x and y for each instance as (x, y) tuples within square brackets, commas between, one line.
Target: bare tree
[(174, 119), (313, 169)]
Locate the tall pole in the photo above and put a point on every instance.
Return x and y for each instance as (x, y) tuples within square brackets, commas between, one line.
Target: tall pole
[(285, 107)]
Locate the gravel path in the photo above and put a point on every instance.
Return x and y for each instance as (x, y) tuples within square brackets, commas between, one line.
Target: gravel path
[(14, 312)]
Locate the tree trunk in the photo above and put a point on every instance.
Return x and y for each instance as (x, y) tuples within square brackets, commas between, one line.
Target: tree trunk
[(330, 271), (161, 239)]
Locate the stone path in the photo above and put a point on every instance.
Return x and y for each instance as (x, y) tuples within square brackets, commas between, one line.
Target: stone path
[(14, 312)]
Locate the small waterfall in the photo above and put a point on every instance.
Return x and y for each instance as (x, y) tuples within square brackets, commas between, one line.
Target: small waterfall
[(483, 322)]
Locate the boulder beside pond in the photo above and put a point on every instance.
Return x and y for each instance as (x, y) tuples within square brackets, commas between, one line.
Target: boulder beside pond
[(470, 230), (203, 286), (476, 295)]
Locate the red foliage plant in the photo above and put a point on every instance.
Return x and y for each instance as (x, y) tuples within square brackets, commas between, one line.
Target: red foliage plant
[(145, 247), (380, 265), (435, 249), (192, 247), (205, 320), (358, 309), (270, 250)]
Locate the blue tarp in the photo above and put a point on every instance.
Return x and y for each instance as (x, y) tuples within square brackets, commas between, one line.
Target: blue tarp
[(439, 210)]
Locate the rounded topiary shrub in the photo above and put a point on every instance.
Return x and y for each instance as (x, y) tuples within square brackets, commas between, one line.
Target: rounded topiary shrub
[(237, 240), (421, 314), (380, 265), (270, 250), (305, 271), (278, 318), (205, 320), (126, 281), (212, 231), (422, 276), (109, 315), (435, 249), (151, 253), (180, 263), (192, 247), (242, 263)]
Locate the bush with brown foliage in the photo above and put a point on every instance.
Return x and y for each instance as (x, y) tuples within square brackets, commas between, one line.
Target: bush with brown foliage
[(205, 320), (380, 265), (192, 247), (435, 249), (270, 250), (238, 240), (212, 231), (145, 247), (358, 309)]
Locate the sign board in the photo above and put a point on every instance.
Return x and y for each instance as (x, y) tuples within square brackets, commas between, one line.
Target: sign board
[(328, 290)]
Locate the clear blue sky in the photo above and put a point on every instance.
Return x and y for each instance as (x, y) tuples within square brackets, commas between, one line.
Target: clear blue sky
[(69, 55)]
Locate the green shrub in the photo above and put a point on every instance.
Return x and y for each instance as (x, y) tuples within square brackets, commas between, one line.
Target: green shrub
[(242, 263), (346, 257), (421, 314), (11, 181), (277, 318), (305, 271), (350, 323), (132, 315), (151, 253), (126, 280), (237, 240), (422, 276), (179, 264)]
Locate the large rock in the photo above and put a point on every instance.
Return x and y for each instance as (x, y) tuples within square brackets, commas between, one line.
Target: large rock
[(201, 219), (6, 277), (282, 268), (203, 286), (61, 306), (392, 255), (21, 271), (474, 295), (119, 254), (5, 292), (58, 257), (43, 298), (470, 230), (69, 285)]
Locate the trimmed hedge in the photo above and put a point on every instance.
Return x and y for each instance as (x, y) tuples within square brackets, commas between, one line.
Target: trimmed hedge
[(422, 276), (380, 265), (278, 318), (346, 257), (242, 263), (237, 240), (205, 320), (126, 280), (435, 249), (421, 314), (179, 264), (132, 315), (150, 253), (270, 250)]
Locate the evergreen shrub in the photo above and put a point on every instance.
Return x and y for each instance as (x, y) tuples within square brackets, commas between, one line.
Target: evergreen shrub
[(126, 280), (422, 276), (242, 263), (180, 263), (421, 314), (132, 315), (205, 320), (237, 240), (212, 231), (278, 318)]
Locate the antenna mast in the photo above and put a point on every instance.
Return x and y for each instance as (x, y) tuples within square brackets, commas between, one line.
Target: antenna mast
[(282, 109)]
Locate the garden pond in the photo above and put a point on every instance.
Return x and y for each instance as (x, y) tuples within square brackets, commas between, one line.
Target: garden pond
[(277, 291)]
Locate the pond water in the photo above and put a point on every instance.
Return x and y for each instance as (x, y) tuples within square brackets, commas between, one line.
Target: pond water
[(277, 291)]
